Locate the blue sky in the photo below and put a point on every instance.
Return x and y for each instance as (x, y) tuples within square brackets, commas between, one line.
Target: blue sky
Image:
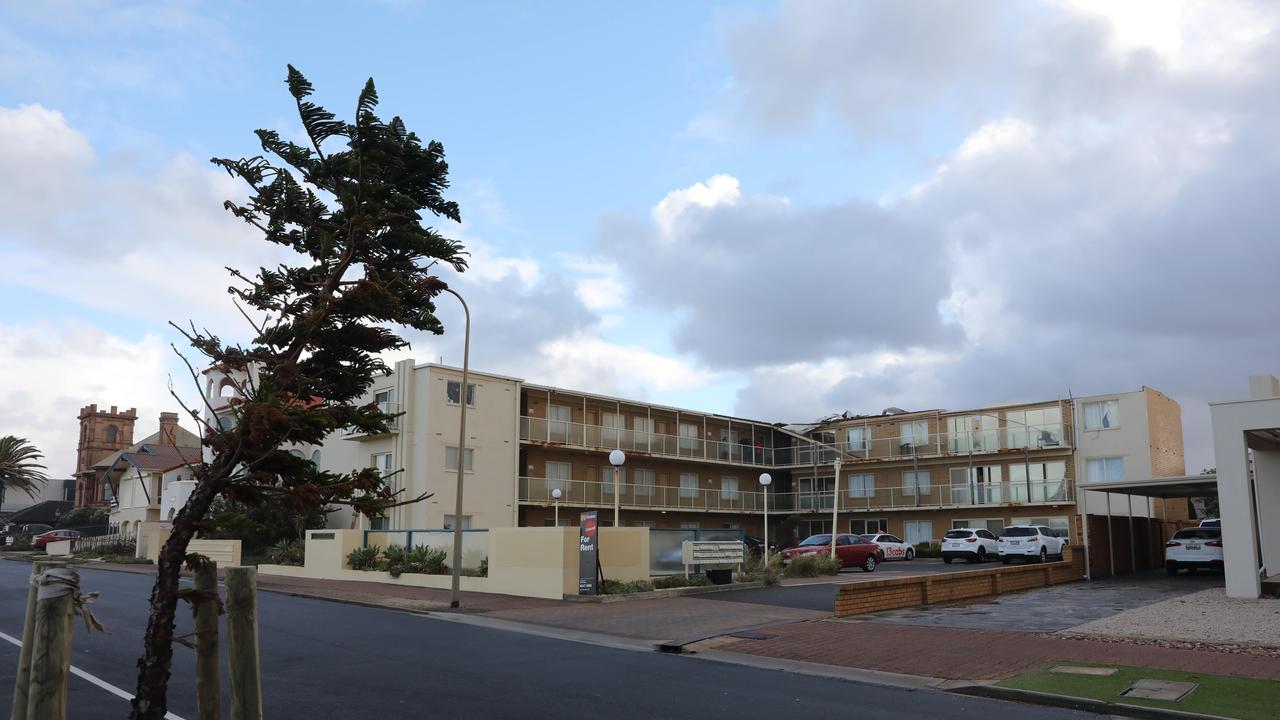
[(776, 209)]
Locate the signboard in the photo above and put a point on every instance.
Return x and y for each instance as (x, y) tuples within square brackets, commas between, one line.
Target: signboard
[(588, 553), (713, 552)]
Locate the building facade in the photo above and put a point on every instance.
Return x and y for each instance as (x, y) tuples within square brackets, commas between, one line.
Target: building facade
[(102, 432), (912, 474)]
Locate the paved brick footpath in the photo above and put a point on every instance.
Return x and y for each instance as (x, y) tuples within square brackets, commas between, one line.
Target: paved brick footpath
[(985, 655)]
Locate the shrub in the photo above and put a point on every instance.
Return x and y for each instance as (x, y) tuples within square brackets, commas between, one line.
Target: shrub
[(365, 558), (679, 581), (22, 542), (428, 560), (84, 517), (928, 550), (394, 560), (813, 565), (756, 570), (288, 552), (482, 571), (619, 587)]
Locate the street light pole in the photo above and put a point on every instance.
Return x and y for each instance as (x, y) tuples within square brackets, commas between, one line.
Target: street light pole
[(765, 479), (555, 495), (835, 510), (456, 596), (616, 459)]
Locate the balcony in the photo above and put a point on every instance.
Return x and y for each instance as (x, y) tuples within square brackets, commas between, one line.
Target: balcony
[(393, 424), (587, 493), (976, 442)]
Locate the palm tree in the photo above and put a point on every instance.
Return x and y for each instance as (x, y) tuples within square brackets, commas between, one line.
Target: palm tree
[(19, 466)]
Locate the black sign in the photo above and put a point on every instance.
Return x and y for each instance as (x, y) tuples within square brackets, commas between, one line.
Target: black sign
[(588, 553)]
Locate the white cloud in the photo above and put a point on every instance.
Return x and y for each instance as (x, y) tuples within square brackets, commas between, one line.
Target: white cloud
[(718, 190), (590, 363)]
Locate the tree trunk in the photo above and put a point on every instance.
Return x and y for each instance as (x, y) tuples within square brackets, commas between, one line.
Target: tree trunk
[(151, 699)]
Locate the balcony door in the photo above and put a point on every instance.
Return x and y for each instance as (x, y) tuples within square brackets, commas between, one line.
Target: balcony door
[(559, 418), (559, 477), (816, 493)]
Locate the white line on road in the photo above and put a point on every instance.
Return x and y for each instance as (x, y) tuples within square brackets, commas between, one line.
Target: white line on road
[(91, 678)]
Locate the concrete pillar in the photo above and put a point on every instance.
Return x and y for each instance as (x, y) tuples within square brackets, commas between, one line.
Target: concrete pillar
[(1266, 469), (1235, 503)]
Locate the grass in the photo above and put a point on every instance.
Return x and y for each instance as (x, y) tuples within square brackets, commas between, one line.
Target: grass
[(1223, 695)]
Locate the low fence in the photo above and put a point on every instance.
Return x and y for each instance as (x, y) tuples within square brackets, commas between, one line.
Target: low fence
[(113, 543), (876, 595)]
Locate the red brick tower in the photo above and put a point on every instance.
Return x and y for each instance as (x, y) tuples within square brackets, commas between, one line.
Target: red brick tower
[(101, 433)]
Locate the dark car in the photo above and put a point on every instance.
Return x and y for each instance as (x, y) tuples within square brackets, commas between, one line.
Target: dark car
[(851, 550), (755, 546), (45, 538)]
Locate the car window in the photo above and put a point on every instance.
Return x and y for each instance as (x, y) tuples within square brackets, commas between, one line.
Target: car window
[(957, 534), (872, 538), (1211, 524), (985, 534), (816, 540), (1203, 533), (1048, 532), (1019, 532), (890, 538)]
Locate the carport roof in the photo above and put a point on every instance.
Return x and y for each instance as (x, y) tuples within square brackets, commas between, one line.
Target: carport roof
[(1164, 487)]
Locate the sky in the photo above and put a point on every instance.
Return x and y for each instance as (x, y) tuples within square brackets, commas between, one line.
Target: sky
[(779, 210)]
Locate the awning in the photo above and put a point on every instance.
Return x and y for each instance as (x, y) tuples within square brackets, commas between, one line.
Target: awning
[(1165, 487)]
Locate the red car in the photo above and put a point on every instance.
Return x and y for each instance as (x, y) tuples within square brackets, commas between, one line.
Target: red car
[(38, 542), (851, 550)]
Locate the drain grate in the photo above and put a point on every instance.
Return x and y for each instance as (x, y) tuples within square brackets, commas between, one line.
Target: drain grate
[(1147, 689)]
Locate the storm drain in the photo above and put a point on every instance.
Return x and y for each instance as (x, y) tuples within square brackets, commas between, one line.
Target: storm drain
[(1146, 689)]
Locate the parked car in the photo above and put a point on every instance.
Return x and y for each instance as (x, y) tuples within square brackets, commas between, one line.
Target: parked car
[(755, 546), (971, 544), (893, 547), (1031, 542), (1211, 523), (1194, 548), (851, 550), (44, 538)]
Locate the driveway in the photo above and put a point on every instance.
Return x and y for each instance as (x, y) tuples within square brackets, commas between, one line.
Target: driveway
[(1055, 608)]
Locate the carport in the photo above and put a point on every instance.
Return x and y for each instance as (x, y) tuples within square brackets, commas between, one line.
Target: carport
[(1164, 488)]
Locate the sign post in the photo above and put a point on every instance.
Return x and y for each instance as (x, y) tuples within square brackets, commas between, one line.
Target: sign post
[(588, 553)]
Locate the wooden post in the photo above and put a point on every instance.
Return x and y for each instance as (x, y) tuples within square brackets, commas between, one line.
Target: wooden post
[(51, 657), (208, 683), (22, 683), (242, 643)]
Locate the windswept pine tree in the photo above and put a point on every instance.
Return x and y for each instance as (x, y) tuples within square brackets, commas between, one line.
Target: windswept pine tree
[(352, 204)]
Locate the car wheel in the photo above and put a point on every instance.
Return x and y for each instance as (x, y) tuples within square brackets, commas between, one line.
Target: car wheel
[(982, 555), (869, 565), (946, 560), (1171, 568), (1044, 554), (911, 553)]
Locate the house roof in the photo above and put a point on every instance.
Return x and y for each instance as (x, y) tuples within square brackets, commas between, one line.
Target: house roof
[(46, 512), (184, 439), (160, 457)]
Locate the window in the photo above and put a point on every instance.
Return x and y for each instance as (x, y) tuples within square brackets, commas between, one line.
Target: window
[(688, 485), (914, 433), (453, 392), (226, 421), (867, 527), (862, 485), (643, 523), (112, 433), (973, 433), (381, 462), (994, 526), (688, 436), (858, 438), (645, 481), (612, 424), (692, 525), (315, 457), (558, 476), (978, 485), (385, 399), (448, 522), (642, 424), (296, 453), (451, 459), (1060, 525), (915, 482), (606, 477), (1048, 480), (1104, 469), (1102, 415), (728, 488), (915, 532), (558, 419), (1041, 427)]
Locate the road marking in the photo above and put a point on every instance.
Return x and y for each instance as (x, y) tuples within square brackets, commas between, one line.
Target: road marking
[(91, 678)]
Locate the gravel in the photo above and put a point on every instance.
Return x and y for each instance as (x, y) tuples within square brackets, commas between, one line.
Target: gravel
[(1208, 616)]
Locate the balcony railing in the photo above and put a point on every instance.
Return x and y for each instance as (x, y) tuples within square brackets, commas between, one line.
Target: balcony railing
[(393, 424), (803, 453), (665, 497)]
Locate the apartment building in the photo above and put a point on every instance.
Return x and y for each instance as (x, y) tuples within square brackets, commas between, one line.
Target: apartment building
[(914, 474)]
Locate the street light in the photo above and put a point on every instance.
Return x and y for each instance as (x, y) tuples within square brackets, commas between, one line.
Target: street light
[(616, 458), (456, 597), (835, 510), (555, 495), (765, 479)]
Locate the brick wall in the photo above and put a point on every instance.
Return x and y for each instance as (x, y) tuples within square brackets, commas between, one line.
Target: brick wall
[(876, 595)]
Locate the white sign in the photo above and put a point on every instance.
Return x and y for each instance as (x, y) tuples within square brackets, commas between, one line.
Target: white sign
[(713, 552)]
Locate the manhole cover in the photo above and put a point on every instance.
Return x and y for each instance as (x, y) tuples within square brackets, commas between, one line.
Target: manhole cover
[(1159, 690), (1083, 670)]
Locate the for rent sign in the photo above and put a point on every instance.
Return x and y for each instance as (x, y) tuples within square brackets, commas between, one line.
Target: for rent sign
[(588, 553)]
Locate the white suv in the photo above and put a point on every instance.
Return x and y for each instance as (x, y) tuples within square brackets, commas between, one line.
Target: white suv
[(1032, 542), (972, 544), (1194, 548)]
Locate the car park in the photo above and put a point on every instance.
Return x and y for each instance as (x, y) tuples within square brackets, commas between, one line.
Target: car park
[(851, 551), (44, 538), (971, 544), (1194, 549), (892, 546), (1031, 543)]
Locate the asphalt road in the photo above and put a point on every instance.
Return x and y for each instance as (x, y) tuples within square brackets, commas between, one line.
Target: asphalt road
[(328, 660)]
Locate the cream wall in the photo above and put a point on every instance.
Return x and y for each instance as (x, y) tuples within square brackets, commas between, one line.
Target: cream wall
[(1251, 541), (1131, 440)]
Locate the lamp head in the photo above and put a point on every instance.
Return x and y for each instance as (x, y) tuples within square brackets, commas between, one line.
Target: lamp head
[(765, 479), (617, 457), (556, 493)]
